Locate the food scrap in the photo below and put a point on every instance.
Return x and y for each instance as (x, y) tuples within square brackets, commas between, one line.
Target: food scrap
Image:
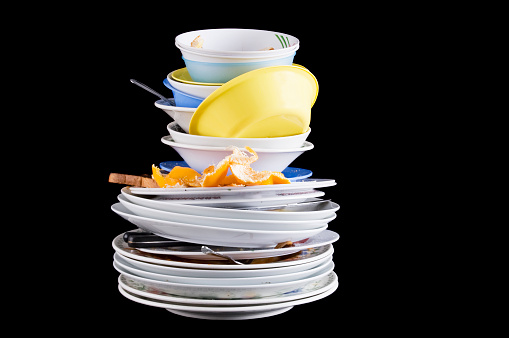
[(239, 165), (197, 42)]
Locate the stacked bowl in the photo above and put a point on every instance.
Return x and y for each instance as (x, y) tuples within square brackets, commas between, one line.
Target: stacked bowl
[(235, 92), (228, 53), (232, 252)]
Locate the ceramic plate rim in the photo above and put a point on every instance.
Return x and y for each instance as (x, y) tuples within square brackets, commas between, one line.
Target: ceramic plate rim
[(248, 301), (126, 192), (121, 198), (173, 108), (121, 251), (301, 185), (233, 273), (279, 252), (224, 286), (168, 139), (207, 235), (232, 230), (244, 308), (326, 266)]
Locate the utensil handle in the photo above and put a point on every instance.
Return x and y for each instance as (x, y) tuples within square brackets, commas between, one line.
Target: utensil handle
[(148, 240), (148, 89)]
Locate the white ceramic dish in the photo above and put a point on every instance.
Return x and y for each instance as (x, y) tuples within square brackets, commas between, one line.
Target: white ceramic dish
[(221, 69), (192, 89), (198, 56), (303, 257), (221, 222), (194, 252), (237, 202), (140, 289), (239, 191), (231, 312), (287, 142), (219, 273), (201, 157), (212, 235), (224, 291), (314, 209), (238, 43), (274, 279), (221, 315), (181, 115)]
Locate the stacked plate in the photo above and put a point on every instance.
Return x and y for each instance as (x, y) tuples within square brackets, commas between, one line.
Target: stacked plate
[(244, 223)]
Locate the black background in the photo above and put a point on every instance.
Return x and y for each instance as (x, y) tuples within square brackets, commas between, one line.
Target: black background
[(120, 131)]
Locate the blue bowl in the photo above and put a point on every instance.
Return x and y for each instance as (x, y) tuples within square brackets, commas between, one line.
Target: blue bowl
[(182, 99), (224, 72)]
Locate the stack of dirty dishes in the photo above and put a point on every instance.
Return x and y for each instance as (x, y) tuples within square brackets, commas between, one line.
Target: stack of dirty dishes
[(184, 282), (240, 87), (232, 252), (271, 258), (227, 252), (268, 109)]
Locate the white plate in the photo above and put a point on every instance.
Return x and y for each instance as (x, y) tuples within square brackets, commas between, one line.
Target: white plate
[(214, 236), (194, 252), (273, 279), (303, 185), (305, 256), (253, 200), (240, 315), (222, 222), (229, 312), (206, 273), (226, 290), (309, 290), (297, 211)]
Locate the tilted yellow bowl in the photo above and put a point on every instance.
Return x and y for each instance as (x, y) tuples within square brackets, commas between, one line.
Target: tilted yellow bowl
[(266, 102)]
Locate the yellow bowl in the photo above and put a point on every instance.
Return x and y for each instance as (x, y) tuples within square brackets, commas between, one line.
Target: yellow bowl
[(266, 102), (182, 75)]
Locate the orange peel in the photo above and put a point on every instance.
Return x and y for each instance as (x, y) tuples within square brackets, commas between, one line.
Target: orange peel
[(238, 163)]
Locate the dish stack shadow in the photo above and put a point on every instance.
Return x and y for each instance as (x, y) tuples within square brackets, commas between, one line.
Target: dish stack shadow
[(232, 252)]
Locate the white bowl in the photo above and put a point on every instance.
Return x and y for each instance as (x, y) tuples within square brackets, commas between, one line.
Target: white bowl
[(201, 157), (286, 142), (181, 115), (228, 53), (220, 69), (192, 89), (196, 55), (231, 42)]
